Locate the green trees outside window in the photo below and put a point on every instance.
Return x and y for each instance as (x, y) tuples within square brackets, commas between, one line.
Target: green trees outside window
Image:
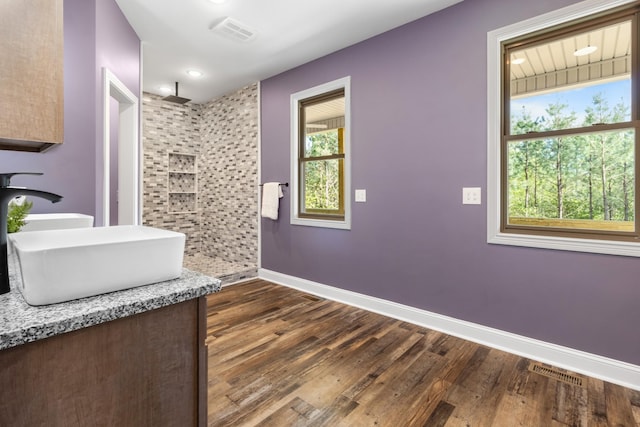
[(588, 176), (322, 178), (322, 156), (569, 129)]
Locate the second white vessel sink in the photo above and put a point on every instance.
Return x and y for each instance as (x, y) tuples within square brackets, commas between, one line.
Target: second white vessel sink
[(56, 221), (62, 265)]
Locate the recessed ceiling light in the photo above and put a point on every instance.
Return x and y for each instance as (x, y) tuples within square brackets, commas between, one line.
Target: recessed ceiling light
[(165, 89), (194, 73), (585, 51), (518, 61)]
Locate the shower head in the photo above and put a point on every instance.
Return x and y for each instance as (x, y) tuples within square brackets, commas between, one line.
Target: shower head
[(175, 98)]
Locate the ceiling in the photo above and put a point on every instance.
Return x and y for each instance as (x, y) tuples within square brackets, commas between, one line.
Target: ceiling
[(325, 110), (546, 66), (176, 37)]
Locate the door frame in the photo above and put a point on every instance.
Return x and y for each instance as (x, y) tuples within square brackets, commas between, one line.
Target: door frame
[(129, 212)]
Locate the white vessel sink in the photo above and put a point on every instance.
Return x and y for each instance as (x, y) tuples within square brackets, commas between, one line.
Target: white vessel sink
[(61, 265), (56, 221)]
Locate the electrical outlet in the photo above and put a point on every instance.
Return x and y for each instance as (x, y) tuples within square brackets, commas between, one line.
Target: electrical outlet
[(471, 195)]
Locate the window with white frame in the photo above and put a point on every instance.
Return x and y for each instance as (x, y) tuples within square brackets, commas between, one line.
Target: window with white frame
[(320, 156), (564, 130)]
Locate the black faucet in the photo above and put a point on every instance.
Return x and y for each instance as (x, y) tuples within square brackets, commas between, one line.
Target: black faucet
[(6, 194)]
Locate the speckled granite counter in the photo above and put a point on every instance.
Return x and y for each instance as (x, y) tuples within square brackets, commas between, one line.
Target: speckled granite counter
[(21, 323)]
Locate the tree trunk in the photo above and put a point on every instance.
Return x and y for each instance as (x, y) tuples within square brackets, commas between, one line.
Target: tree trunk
[(603, 174), (535, 190), (625, 191), (326, 186), (590, 161), (526, 180), (559, 183)]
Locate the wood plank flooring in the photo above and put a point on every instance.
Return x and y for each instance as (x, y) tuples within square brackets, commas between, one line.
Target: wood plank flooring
[(279, 357)]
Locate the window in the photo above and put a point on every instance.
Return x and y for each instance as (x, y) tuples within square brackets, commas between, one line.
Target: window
[(320, 156), (563, 130)]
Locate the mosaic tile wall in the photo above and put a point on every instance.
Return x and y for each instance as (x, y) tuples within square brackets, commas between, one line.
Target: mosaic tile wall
[(223, 134), (228, 177), (168, 127)]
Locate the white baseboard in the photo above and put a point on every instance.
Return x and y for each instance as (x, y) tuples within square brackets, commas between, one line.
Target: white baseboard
[(604, 368)]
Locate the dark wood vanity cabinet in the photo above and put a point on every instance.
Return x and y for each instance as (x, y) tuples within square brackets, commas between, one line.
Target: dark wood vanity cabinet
[(31, 74), (148, 369)]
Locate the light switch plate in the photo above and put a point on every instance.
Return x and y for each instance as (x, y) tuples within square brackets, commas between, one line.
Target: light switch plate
[(471, 195), (361, 196)]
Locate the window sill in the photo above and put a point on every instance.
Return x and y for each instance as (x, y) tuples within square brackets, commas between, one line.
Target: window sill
[(324, 223), (608, 247)]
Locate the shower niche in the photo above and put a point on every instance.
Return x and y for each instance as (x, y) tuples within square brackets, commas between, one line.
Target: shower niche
[(183, 183)]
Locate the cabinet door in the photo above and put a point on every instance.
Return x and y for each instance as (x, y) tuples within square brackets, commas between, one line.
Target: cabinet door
[(148, 369), (31, 74)]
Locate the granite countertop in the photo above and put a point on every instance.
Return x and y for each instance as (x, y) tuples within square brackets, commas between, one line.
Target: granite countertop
[(21, 323)]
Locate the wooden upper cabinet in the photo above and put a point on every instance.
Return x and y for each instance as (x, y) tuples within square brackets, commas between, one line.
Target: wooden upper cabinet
[(31, 74)]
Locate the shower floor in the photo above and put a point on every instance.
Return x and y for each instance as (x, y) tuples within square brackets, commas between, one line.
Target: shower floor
[(226, 271)]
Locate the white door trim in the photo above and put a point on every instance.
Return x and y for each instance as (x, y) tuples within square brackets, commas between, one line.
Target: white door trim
[(128, 151)]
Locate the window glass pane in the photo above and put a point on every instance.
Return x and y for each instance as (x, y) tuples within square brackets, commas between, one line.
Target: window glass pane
[(582, 182), (322, 119), (576, 81), (322, 144), (322, 138), (322, 184), (320, 156)]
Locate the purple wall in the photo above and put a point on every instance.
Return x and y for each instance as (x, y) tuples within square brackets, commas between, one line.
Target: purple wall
[(418, 136), (118, 49), (117, 46), (70, 169)]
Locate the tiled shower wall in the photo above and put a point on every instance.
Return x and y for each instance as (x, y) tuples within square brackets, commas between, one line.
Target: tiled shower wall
[(228, 173), (168, 127), (223, 134)]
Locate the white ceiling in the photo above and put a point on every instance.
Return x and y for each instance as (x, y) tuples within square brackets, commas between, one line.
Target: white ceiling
[(325, 110), (613, 41), (176, 37), (550, 65)]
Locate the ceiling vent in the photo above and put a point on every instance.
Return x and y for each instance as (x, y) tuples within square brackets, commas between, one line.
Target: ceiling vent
[(233, 29)]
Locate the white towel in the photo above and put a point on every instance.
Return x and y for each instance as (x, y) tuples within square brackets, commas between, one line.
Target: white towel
[(271, 194)]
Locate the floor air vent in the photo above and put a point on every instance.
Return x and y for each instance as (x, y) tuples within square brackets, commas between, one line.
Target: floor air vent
[(556, 374)]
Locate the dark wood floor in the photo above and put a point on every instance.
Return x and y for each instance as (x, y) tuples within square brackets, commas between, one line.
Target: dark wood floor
[(279, 357)]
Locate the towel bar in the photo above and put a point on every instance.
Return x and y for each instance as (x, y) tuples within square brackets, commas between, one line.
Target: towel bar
[(286, 184)]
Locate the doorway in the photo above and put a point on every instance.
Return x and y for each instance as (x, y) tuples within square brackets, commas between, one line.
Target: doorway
[(119, 100)]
